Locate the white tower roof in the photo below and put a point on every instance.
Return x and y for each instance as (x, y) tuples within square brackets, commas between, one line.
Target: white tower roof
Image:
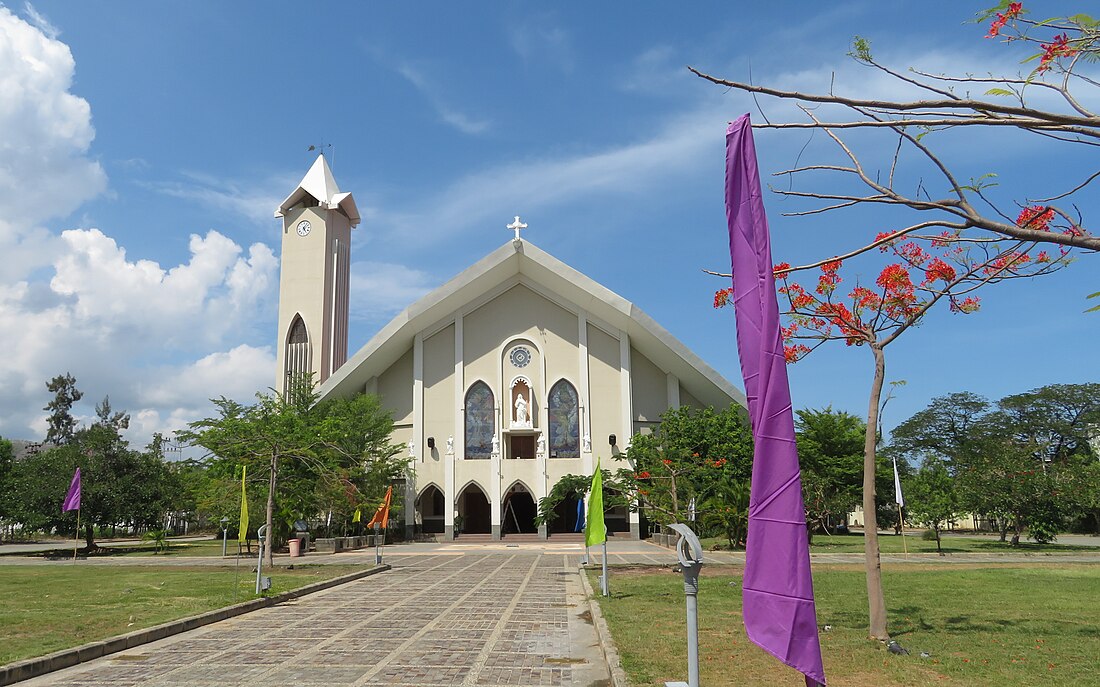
[(321, 186)]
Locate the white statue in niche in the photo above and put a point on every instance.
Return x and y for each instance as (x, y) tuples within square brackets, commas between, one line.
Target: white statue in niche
[(541, 446), (496, 445), (586, 444), (450, 445), (412, 449), (521, 412)]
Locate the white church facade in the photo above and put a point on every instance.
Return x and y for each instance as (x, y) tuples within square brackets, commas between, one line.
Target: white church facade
[(514, 373)]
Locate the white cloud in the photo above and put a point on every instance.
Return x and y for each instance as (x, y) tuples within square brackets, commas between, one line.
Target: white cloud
[(40, 22), (45, 132), (451, 115), (254, 203), (380, 290), (542, 41)]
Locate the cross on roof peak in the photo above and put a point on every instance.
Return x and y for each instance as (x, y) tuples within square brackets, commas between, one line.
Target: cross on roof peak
[(516, 226)]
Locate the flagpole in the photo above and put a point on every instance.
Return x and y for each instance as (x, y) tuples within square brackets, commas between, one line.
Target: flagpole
[(76, 539), (606, 586), (901, 523)]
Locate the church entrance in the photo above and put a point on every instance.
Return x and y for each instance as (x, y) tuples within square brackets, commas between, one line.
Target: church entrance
[(518, 512), (473, 512), (430, 508), (567, 515)]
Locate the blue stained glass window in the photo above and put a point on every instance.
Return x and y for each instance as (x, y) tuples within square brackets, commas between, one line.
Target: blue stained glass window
[(480, 422), (564, 421)]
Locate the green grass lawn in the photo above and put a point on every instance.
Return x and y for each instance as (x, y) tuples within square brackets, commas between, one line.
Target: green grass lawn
[(44, 608), (889, 543), (1020, 624)]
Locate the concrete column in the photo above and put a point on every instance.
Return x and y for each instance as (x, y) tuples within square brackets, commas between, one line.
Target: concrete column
[(626, 393), (583, 389), (673, 390), (417, 428), (460, 434)]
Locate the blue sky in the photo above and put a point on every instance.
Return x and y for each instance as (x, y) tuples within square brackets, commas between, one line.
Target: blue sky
[(143, 149)]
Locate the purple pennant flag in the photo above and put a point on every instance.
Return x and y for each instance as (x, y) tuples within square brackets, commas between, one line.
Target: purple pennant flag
[(778, 592), (72, 499)]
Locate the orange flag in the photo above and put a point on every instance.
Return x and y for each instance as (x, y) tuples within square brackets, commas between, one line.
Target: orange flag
[(382, 515)]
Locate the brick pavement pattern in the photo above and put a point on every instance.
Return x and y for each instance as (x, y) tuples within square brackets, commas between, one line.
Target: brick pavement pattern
[(449, 619)]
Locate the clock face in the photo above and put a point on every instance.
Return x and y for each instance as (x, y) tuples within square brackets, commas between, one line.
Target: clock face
[(303, 228)]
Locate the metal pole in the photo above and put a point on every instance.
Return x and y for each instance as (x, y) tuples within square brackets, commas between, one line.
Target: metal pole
[(260, 557), (225, 540), (691, 591), (604, 586), (377, 547), (690, 553)]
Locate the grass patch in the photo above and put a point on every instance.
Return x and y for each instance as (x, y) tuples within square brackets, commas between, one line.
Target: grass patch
[(1019, 624), (44, 608), (889, 543)]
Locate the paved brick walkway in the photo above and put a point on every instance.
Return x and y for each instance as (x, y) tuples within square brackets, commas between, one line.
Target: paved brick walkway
[(449, 619)]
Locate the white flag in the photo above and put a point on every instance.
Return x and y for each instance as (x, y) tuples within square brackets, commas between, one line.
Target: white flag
[(898, 498)]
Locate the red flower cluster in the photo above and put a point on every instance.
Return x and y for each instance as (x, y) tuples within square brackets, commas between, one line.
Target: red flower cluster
[(1008, 263), (793, 353), (780, 271), (644, 474), (718, 463), (884, 235), (1035, 217), (938, 270), (722, 297), (966, 306), (1059, 47), (829, 278), (797, 295), (1002, 19), (667, 461)]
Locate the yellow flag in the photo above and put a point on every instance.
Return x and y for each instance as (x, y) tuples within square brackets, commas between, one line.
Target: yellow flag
[(357, 517), (595, 531), (244, 508)]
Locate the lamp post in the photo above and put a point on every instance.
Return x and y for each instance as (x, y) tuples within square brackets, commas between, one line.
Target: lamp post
[(690, 553), (260, 559), (225, 529)]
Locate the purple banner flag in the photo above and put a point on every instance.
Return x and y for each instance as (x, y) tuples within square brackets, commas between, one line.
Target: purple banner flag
[(778, 592), (72, 499)]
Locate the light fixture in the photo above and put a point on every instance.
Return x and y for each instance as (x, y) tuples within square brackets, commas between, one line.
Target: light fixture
[(431, 442), (611, 439)]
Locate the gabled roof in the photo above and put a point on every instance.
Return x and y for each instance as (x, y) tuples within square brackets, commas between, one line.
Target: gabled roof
[(520, 262), (321, 185)]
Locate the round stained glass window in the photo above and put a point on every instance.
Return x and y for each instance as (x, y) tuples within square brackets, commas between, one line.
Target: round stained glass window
[(520, 356)]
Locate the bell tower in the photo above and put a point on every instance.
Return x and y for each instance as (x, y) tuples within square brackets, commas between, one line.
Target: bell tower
[(313, 277)]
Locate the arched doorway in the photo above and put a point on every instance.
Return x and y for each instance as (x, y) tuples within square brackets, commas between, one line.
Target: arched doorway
[(473, 510), (567, 515), (430, 509), (518, 511)]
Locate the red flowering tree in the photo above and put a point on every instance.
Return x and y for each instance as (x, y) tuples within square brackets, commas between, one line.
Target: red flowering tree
[(921, 271), (971, 236)]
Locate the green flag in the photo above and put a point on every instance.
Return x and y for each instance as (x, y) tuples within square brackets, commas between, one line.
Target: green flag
[(594, 529), (357, 517), (244, 508)]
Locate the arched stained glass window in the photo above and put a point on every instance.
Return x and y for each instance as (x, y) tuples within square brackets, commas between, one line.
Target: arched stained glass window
[(565, 426), (480, 422)]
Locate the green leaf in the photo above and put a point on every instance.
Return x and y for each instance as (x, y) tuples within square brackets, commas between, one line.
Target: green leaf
[(1095, 308), (1000, 91), (861, 49)]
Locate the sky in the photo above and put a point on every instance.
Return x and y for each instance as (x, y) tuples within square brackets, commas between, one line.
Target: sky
[(144, 148)]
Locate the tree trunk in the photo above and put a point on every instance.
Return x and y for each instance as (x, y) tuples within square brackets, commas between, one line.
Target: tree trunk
[(875, 599), (939, 550), (89, 537), (269, 555), (1004, 530)]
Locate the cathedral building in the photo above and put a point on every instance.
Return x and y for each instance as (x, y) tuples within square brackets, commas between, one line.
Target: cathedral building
[(516, 372)]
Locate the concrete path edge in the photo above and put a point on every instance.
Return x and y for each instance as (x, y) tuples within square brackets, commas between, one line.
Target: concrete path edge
[(607, 644), (33, 667)]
